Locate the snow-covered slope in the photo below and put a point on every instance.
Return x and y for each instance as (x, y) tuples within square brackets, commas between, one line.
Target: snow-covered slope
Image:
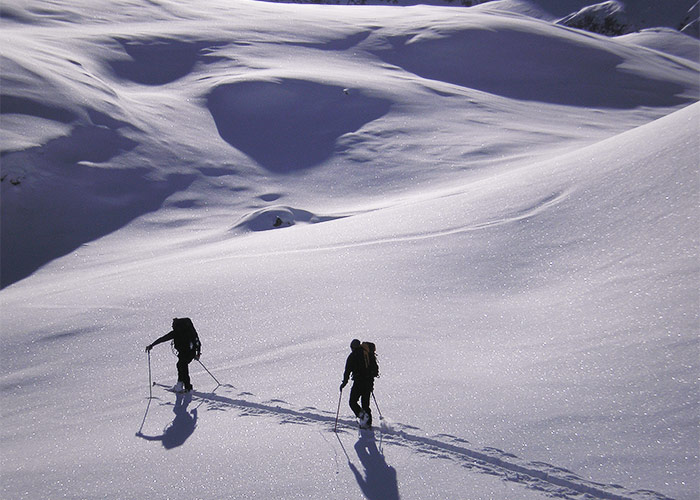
[(665, 40), (610, 17), (507, 207)]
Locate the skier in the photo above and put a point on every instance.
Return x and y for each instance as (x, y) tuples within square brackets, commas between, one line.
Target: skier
[(363, 367), (186, 341)]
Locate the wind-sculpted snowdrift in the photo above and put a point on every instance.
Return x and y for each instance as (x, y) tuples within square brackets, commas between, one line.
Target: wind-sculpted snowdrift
[(537, 65), (123, 114)]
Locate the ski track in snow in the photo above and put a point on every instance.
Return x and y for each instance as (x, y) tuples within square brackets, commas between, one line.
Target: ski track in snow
[(551, 480)]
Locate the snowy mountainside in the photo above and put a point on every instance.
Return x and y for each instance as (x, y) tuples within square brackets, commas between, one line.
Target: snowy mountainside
[(617, 18), (507, 207), (640, 13), (607, 18)]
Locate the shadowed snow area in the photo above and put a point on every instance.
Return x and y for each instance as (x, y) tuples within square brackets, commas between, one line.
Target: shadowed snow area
[(535, 66), (76, 198), (506, 207), (159, 61), (289, 125)]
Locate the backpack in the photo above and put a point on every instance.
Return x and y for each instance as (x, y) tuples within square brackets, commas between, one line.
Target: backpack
[(369, 351), (186, 340)]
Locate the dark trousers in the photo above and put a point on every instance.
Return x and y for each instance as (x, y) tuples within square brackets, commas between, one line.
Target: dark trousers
[(362, 391), (183, 372)]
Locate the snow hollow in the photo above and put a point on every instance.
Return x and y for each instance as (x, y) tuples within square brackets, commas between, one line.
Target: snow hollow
[(506, 206)]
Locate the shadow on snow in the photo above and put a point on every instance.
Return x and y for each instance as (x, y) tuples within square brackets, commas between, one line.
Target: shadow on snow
[(182, 426), (378, 482), (379, 479)]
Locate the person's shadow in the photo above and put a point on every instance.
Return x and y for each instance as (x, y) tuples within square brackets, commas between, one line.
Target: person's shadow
[(379, 480), (181, 427)]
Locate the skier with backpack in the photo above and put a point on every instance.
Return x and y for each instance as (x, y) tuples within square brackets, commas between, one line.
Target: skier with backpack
[(186, 343), (362, 364)]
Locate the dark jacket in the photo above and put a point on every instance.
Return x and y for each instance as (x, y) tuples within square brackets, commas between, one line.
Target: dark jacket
[(185, 338), (359, 366)]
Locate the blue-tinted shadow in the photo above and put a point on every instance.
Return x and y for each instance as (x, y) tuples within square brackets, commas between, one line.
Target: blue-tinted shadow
[(182, 426), (378, 480)]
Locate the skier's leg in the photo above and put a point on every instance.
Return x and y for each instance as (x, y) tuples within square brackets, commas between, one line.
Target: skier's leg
[(181, 369), (183, 372), (366, 394), (355, 394)]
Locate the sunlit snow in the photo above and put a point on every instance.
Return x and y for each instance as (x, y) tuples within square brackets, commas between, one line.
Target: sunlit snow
[(506, 206)]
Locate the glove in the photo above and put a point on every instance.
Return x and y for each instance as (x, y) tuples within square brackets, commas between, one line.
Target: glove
[(343, 385), (149, 347)]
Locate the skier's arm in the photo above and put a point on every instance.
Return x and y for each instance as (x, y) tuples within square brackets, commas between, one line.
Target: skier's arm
[(348, 371), (164, 338)]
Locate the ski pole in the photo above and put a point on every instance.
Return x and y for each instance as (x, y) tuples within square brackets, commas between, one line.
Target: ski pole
[(375, 404), (148, 406), (150, 384), (337, 413), (212, 376)]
